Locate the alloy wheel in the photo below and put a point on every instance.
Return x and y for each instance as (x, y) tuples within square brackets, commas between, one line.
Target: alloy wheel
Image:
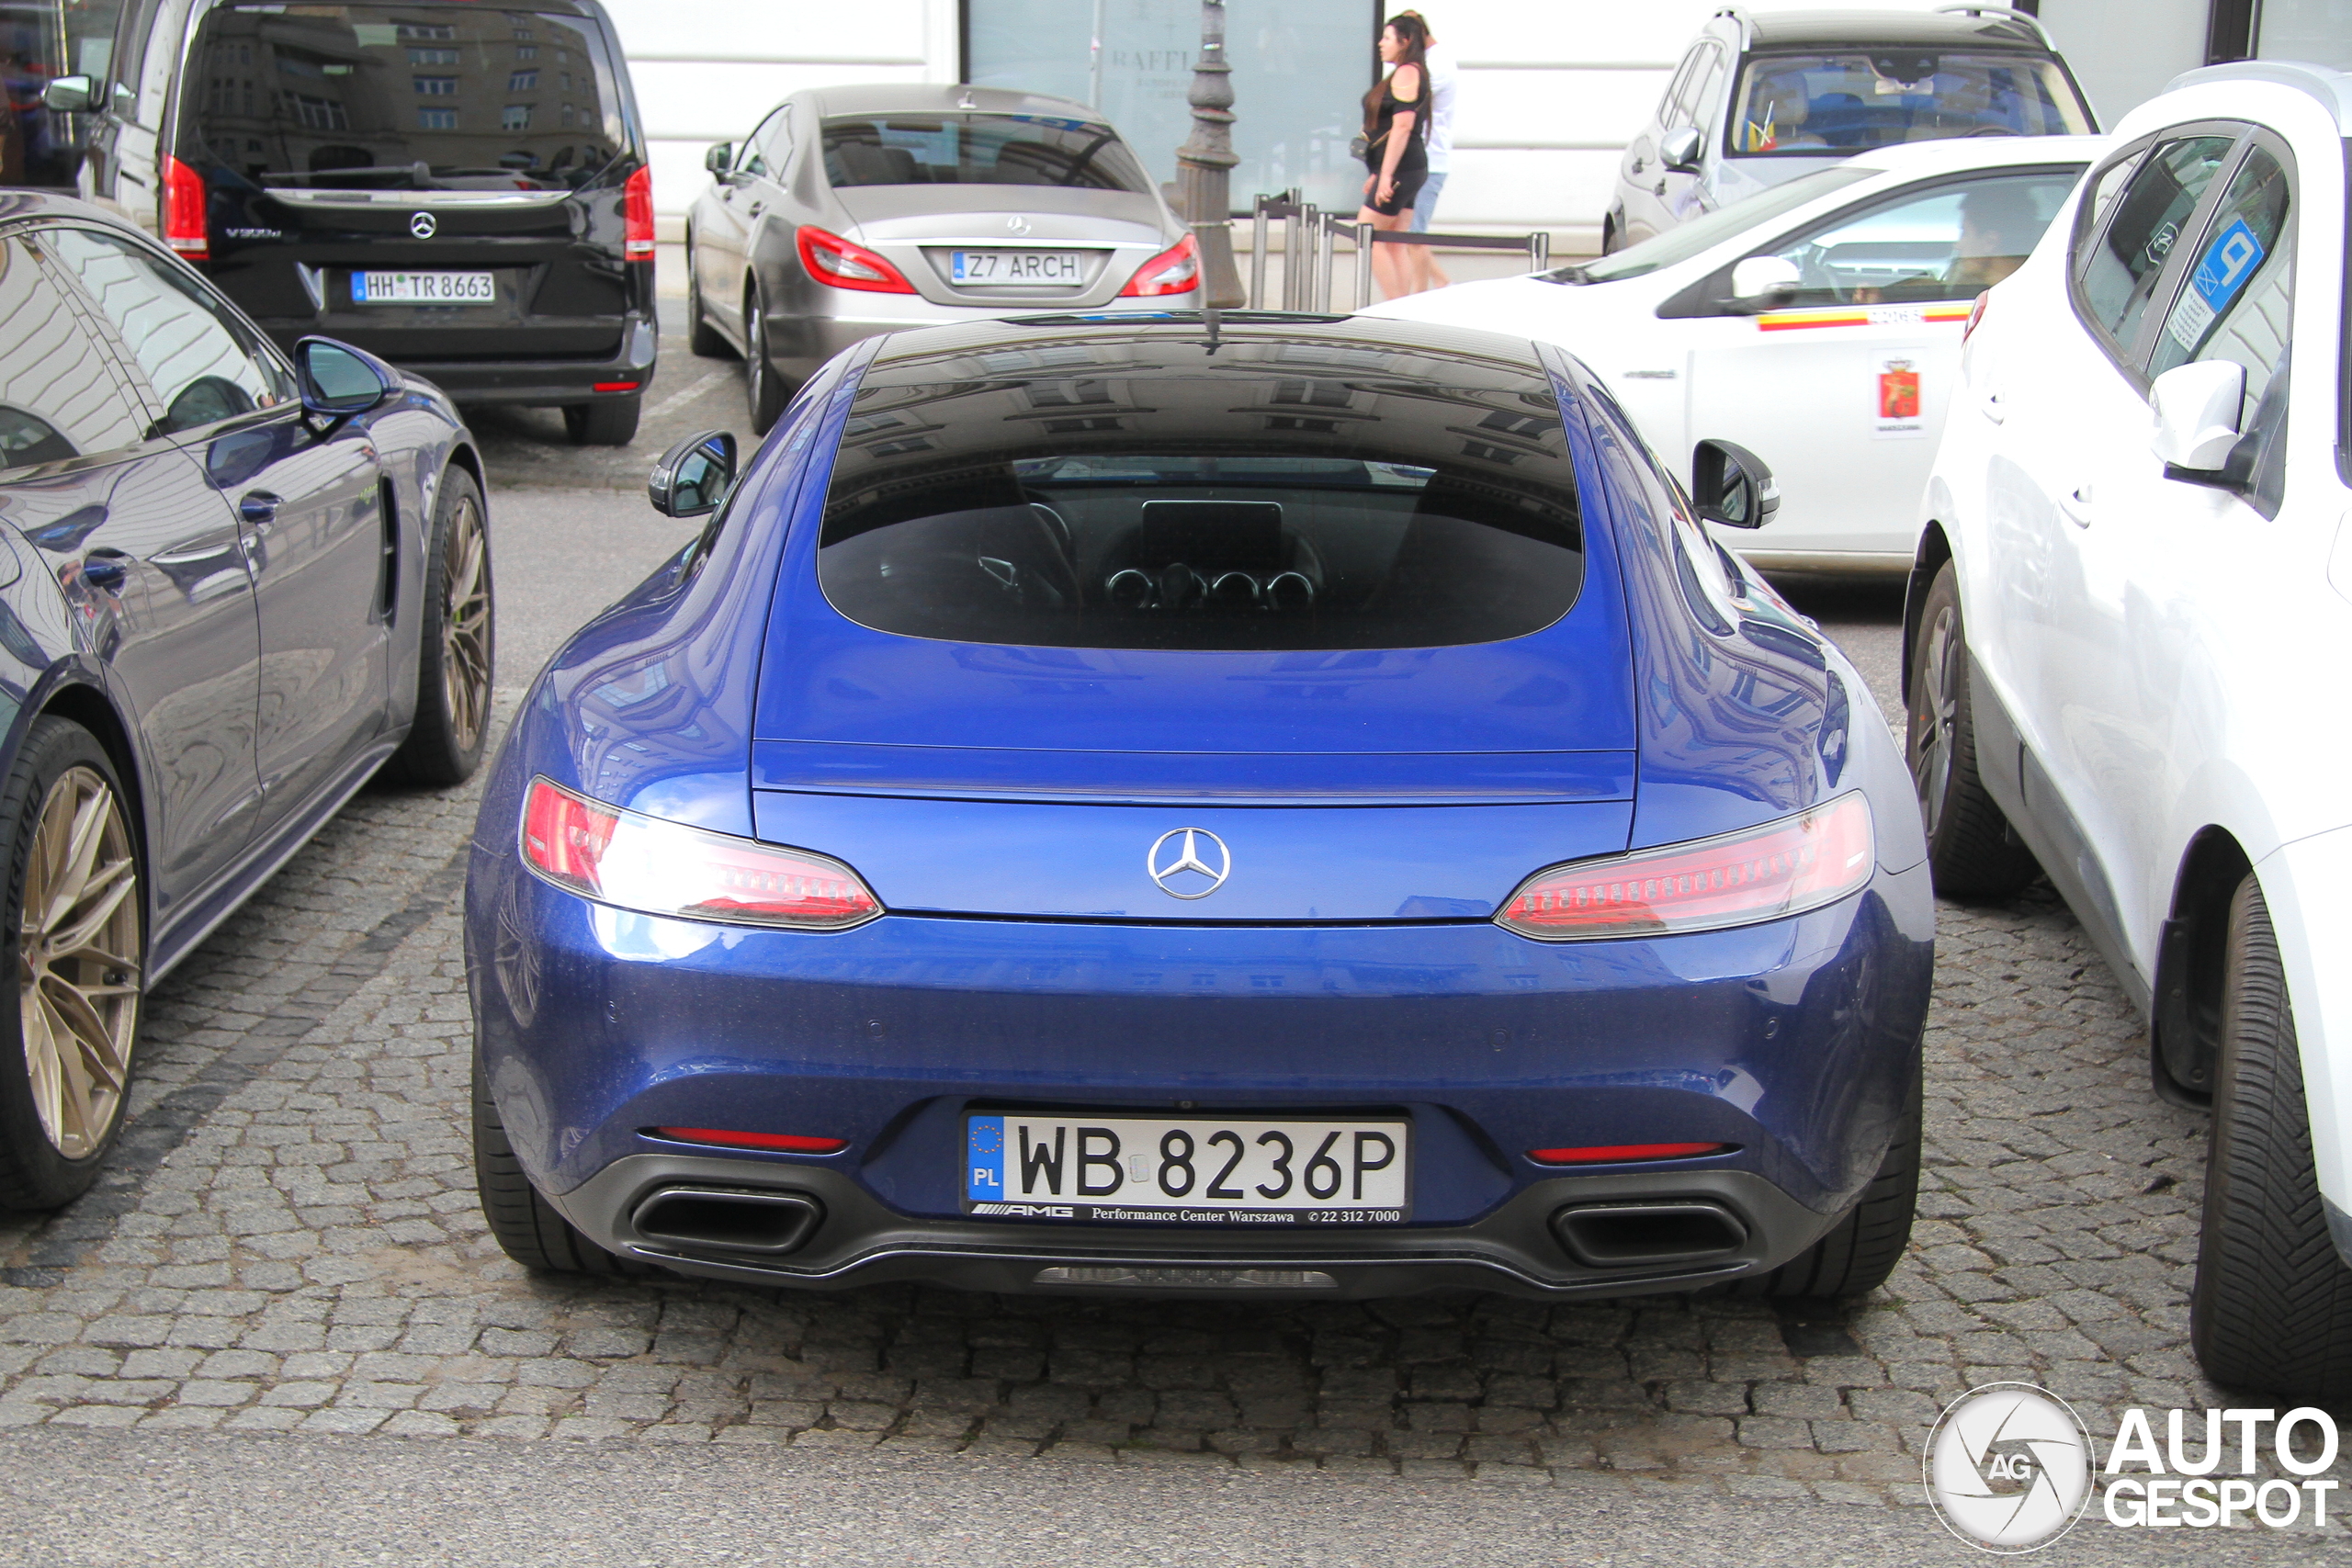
[(80, 952), (465, 623), (1933, 720)]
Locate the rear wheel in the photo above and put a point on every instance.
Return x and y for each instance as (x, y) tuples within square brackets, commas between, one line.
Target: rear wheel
[(76, 917), (702, 338), (1862, 1250), (526, 1224), (608, 421), (457, 644), (1970, 850), (762, 386), (2272, 1307)]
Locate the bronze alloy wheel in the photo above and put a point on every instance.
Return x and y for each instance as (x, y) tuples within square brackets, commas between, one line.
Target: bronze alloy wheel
[(80, 953), (465, 623)]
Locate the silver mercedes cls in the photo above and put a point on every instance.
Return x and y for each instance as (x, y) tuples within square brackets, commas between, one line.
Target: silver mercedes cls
[(856, 210)]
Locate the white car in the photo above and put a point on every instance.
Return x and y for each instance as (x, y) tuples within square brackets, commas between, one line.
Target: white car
[(2133, 583), (1817, 324)]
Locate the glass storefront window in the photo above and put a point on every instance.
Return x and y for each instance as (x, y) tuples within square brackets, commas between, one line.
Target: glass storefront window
[(2319, 31), (1299, 72), (40, 40)]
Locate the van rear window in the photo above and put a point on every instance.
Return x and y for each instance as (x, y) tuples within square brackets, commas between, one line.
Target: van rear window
[(402, 98), (1227, 513)]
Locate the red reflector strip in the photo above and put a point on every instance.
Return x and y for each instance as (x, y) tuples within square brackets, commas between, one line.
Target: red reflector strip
[(616, 386), (783, 1143), (1614, 1154)]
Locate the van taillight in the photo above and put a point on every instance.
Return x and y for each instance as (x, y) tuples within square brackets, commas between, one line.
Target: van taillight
[(636, 217), (184, 198)]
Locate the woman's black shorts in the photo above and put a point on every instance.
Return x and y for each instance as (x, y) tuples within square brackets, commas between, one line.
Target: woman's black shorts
[(1410, 174)]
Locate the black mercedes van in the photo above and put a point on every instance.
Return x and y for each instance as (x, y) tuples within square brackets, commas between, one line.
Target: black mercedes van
[(460, 188)]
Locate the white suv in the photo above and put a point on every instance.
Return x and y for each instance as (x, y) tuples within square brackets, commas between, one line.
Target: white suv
[(1759, 99), (2132, 588)]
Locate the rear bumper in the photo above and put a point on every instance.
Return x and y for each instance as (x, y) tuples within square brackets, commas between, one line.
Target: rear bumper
[(523, 379), (1512, 1251)]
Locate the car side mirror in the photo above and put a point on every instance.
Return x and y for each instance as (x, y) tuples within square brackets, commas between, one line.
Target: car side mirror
[(692, 477), (2197, 407), (338, 381), (716, 159), (1677, 151), (1730, 485), (72, 94), (1763, 283)]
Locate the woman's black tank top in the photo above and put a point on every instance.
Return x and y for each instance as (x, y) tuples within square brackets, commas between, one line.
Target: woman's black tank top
[(1390, 106)]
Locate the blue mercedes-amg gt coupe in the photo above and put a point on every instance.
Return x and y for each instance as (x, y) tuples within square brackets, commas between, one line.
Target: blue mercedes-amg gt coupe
[(1237, 804)]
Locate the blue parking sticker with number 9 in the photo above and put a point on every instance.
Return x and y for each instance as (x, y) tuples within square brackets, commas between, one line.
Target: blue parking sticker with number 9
[(2235, 256)]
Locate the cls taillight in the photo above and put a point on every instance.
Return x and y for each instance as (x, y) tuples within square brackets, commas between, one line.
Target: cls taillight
[(1975, 314), (1176, 270), (1759, 873), (667, 868), (636, 217), (831, 259), (184, 229)]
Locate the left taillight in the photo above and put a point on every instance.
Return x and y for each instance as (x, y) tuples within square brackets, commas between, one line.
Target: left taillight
[(667, 868), (184, 229), (1176, 270), (831, 259), (636, 217), (1783, 868)]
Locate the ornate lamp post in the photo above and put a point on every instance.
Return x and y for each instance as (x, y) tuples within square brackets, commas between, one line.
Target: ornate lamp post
[(1205, 163)]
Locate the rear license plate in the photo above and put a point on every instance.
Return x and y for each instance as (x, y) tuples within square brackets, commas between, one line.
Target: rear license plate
[(423, 288), (1202, 1170), (1019, 269)]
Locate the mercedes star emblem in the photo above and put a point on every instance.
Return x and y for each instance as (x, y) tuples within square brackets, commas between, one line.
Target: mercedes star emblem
[(423, 225), (1171, 873), (1017, 223)]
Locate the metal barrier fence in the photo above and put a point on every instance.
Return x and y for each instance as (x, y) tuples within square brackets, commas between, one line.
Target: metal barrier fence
[(1310, 248)]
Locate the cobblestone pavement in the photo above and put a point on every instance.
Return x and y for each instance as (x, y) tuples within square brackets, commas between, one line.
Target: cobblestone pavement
[(288, 1241)]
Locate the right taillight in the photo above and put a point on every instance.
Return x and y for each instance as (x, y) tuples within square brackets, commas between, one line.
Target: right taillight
[(1975, 314), (667, 868), (1759, 873), (184, 229)]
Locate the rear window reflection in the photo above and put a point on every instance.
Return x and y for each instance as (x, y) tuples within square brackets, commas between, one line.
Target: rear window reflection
[(977, 149), (1461, 525)]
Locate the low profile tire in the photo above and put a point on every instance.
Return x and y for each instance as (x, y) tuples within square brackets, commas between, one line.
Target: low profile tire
[(76, 919), (2272, 1306), (526, 1224), (1971, 854), (1862, 1250), (607, 421), (702, 339), (764, 389), (457, 644)]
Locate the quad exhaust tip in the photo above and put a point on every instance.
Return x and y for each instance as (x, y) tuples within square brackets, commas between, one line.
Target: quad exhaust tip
[(739, 1221), (1629, 1235)]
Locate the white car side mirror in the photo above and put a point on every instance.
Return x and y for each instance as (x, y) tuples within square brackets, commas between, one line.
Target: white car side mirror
[(1678, 149), (2197, 407), (1759, 279)]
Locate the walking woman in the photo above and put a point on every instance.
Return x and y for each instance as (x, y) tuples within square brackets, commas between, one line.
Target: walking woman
[(1395, 129)]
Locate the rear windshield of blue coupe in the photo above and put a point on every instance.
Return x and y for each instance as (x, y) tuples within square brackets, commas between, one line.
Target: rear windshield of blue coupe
[(1213, 513)]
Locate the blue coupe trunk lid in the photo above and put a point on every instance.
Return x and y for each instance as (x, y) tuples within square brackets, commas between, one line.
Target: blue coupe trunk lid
[(1324, 619)]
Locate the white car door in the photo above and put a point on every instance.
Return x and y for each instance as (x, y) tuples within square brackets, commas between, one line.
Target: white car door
[(2151, 716), (2071, 537), (1844, 389)]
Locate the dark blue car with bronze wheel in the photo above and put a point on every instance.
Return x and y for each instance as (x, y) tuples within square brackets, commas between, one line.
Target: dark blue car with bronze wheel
[(1225, 803), (235, 585)]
